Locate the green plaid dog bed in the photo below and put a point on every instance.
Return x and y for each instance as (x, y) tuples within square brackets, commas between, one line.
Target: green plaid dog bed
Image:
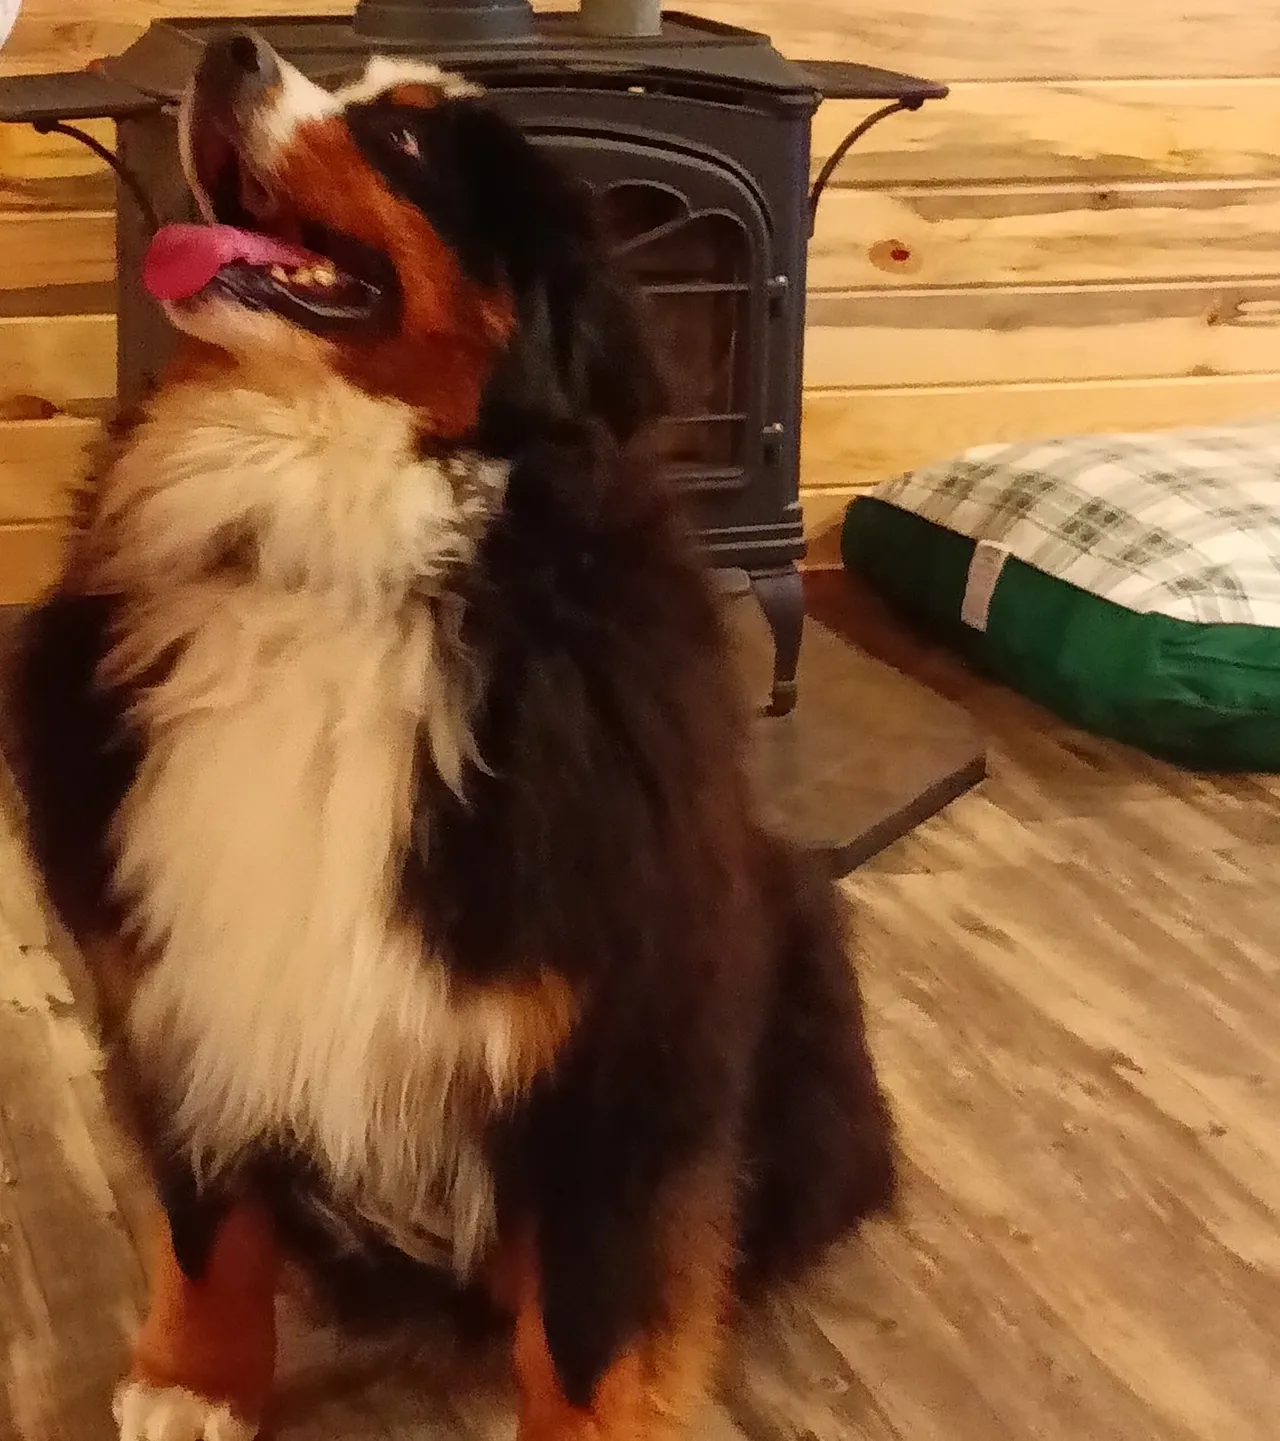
[(1130, 582)]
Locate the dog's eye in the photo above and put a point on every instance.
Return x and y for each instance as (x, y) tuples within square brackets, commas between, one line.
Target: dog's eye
[(406, 142)]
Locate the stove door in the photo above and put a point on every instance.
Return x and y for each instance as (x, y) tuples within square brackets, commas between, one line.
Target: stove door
[(695, 237)]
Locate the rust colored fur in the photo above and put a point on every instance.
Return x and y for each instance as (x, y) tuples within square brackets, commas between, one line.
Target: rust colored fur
[(451, 330), (214, 1336)]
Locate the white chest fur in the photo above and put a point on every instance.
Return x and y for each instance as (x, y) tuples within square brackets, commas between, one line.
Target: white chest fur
[(260, 845), (260, 848)]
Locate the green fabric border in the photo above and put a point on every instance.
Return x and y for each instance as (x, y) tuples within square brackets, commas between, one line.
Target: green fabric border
[(1205, 696)]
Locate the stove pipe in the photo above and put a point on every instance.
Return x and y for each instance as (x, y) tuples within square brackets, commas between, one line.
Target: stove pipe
[(443, 22), (452, 22), (634, 19)]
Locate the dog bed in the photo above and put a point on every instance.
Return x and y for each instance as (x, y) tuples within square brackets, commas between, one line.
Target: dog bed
[(1131, 583)]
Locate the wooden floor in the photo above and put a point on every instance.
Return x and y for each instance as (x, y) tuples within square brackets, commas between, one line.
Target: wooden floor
[(1075, 979)]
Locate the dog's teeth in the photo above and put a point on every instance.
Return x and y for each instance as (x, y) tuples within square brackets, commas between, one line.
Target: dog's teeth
[(325, 275), (303, 275), (279, 274)]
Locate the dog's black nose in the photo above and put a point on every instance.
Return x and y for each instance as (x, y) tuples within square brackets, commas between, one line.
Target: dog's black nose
[(250, 54), (236, 70)]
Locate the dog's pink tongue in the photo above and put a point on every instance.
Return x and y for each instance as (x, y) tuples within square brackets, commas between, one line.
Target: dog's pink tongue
[(183, 259)]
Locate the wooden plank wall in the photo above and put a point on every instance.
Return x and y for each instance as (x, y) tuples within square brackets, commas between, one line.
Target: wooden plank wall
[(1084, 236)]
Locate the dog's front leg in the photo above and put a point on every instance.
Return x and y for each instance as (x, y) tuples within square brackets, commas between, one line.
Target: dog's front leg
[(204, 1358), (591, 1366)]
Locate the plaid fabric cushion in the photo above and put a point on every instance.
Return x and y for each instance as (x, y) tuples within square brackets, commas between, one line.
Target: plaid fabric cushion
[(1185, 523)]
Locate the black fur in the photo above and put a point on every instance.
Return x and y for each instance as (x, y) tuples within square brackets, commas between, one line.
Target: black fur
[(194, 1214), (611, 730), (76, 756), (724, 1024)]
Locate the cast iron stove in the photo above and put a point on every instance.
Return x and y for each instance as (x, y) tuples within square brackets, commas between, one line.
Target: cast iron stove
[(696, 141)]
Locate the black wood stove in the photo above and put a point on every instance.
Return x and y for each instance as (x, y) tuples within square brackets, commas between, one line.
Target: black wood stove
[(696, 140), (695, 137)]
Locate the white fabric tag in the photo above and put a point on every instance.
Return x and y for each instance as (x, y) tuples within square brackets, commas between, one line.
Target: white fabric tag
[(984, 571)]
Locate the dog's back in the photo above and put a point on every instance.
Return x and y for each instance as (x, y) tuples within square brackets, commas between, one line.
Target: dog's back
[(821, 1137)]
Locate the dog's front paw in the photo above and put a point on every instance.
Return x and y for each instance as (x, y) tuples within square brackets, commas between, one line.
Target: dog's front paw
[(168, 1413)]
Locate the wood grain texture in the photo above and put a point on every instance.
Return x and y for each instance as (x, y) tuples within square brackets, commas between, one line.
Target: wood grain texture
[(1004, 40), (59, 359), (41, 463), (907, 237), (1057, 230), (859, 437), (852, 438), (985, 335), (1032, 132), (1112, 328), (57, 248), (68, 34), (33, 196), (988, 40), (68, 1274), (1022, 235), (1070, 975), (824, 511), (23, 151), (971, 336), (1111, 913), (984, 133), (51, 172), (31, 559)]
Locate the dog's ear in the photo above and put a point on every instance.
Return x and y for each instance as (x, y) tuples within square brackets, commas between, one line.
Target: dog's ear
[(580, 349), (516, 217), (579, 352)]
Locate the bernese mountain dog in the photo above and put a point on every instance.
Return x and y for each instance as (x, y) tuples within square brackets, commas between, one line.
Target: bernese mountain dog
[(384, 754)]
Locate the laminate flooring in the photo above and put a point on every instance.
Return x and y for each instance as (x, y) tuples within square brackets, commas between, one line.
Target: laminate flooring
[(1074, 978)]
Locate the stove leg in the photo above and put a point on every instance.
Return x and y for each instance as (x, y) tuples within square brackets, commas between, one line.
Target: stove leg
[(780, 594)]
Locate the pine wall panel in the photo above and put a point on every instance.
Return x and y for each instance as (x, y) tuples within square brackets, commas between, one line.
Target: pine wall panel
[(1085, 235)]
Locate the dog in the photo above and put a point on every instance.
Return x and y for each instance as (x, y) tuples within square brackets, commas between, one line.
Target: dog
[(384, 755)]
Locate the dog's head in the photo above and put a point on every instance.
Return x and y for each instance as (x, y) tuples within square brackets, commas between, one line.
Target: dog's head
[(403, 233)]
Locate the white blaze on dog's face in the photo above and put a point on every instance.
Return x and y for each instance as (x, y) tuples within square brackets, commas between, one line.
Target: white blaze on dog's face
[(340, 230)]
